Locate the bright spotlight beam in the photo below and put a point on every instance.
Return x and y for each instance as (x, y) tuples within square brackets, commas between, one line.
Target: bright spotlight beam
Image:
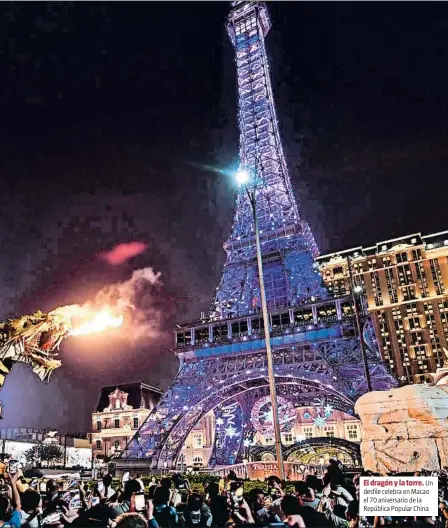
[(242, 177)]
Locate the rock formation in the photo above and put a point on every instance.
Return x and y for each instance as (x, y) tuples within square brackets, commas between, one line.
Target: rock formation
[(406, 429)]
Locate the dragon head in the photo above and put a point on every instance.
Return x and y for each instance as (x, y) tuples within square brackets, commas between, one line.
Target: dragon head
[(34, 340)]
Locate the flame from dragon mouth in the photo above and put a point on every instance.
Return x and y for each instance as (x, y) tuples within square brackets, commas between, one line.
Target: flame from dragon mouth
[(84, 320), (101, 321)]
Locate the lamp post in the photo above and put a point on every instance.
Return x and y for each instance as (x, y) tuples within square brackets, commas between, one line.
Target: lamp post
[(246, 473), (243, 178), (356, 291)]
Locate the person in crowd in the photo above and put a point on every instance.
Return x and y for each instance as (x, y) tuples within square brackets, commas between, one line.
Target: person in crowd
[(4, 460), (181, 483), (275, 487), (165, 515), (297, 515), (217, 504), (138, 478), (443, 514), (356, 484), (123, 504), (153, 483), (351, 518), (218, 507), (197, 513), (231, 477), (276, 492), (261, 507), (131, 520), (134, 519), (55, 511), (166, 482), (53, 489), (314, 482), (306, 495), (335, 494), (31, 508), (239, 510), (105, 489), (10, 505), (176, 494), (175, 497), (291, 512), (126, 476)]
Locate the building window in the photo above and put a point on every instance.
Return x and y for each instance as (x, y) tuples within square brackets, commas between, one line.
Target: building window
[(376, 287), (98, 444), (198, 461), (408, 293), (117, 423), (352, 432), (98, 425), (308, 432), (287, 438), (198, 440), (416, 254), (329, 431), (391, 286), (437, 276), (421, 276), (135, 422)]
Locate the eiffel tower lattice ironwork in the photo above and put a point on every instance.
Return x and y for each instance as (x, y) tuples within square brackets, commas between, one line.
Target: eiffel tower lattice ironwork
[(223, 363)]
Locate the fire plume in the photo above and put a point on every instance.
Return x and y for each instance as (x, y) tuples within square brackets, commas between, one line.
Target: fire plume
[(111, 307), (84, 320), (99, 322)]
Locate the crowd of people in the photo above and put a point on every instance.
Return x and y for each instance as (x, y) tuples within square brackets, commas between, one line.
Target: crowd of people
[(317, 501)]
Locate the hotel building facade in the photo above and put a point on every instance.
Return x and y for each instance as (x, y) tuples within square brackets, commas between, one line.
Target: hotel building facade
[(405, 289)]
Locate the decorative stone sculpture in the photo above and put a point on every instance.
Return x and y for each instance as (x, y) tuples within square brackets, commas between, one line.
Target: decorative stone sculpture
[(406, 429)]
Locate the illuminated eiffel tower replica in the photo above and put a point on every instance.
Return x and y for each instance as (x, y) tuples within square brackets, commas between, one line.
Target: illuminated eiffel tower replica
[(223, 361)]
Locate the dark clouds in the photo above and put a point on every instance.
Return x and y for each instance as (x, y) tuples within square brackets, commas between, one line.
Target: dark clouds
[(109, 110)]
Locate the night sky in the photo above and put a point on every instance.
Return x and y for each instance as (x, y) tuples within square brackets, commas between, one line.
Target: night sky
[(111, 114)]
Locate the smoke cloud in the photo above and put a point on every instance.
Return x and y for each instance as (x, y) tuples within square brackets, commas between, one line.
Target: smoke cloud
[(121, 253), (137, 299)]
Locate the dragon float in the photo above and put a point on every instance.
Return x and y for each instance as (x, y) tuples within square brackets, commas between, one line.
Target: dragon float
[(35, 339)]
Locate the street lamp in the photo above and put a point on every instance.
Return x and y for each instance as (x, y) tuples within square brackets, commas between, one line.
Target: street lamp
[(243, 178), (356, 293)]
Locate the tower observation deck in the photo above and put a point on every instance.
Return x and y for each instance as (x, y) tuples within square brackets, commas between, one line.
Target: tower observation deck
[(223, 363)]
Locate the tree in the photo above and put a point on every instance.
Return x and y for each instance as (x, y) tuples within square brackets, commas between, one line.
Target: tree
[(44, 453)]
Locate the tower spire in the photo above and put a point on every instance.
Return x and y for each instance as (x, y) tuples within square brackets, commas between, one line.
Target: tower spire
[(287, 241)]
